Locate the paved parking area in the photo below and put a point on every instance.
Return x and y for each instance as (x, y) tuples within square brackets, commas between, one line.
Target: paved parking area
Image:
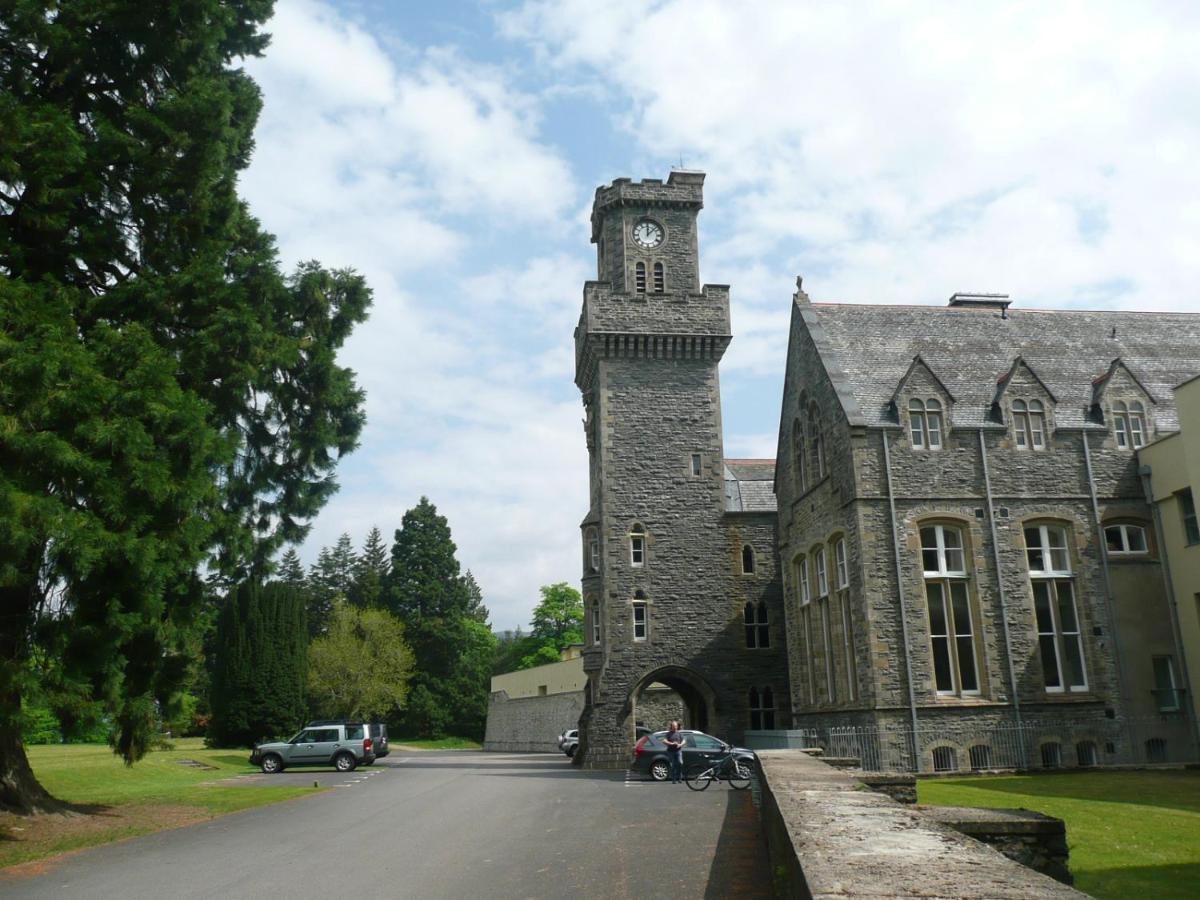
[(444, 824)]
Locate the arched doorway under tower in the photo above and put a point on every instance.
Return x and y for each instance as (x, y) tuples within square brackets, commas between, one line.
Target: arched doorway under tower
[(673, 692)]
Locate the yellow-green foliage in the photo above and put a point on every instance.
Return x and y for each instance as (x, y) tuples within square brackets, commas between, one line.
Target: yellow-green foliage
[(1131, 834)]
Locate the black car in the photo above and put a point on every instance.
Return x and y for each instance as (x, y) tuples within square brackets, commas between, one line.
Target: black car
[(650, 753)]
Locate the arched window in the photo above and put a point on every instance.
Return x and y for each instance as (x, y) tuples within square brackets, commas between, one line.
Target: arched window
[(1125, 540), (660, 278), (951, 629), (798, 456), (747, 560), (1121, 424), (1137, 424), (1051, 753), (945, 759), (1129, 424), (640, 277), (1029, 424), (842, 580), (1060, 641), (816, 441), (637, 546), (925, 424), (1085, 752), (980, 756), (762, 709)]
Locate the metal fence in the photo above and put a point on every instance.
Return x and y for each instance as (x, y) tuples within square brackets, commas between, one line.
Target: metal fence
[(958, 747)]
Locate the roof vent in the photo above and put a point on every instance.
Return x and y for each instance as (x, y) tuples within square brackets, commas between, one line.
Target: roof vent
[(981, 301)]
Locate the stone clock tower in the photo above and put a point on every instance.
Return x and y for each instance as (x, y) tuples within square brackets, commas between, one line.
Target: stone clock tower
[(664, 549)]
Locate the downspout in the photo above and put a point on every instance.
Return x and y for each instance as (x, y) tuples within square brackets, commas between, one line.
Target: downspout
[(1008, 653), (912, 699), (1189, 708), (1108, 590)]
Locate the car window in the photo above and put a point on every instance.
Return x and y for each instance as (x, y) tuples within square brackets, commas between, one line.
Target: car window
[(354, 732), (324, 735), (308, 736), (704, 742)]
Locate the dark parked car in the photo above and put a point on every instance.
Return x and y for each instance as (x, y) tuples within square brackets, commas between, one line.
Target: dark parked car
[(650, 753)]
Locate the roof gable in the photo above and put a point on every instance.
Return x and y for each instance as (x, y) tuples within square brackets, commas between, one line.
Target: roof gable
[(1020, 372), (1117, 372)]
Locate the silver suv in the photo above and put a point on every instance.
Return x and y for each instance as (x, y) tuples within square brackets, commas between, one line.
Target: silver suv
[(343, 745)]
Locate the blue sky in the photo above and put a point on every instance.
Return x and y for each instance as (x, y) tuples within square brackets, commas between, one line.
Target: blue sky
[(889, 152)]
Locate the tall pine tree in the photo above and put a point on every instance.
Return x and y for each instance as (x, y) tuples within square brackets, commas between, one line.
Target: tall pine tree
[(168, 395), (427, 593), (370, 571)]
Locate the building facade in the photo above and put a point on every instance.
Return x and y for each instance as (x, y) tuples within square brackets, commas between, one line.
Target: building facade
[(680, 585), (972, 573), (1171, 466)]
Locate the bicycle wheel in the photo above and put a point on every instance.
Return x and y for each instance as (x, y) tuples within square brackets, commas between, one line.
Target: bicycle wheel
[(739, 775), (698, 778)]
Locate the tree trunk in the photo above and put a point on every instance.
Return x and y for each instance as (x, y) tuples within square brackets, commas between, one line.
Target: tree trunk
[(19, 790)]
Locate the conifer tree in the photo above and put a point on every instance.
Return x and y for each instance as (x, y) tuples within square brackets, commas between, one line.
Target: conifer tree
[(370, 571), (291, 571), (169, 396), (475, 608), (452, 650)]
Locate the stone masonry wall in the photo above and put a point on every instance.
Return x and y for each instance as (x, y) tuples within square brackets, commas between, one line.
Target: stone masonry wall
[(530, 724)]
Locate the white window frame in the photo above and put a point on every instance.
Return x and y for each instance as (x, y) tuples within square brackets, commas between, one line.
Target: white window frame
[(1051, 580), (641, 621), (843, 570), (1029, 424), (949, 580), (593, 551), (822, 573), (1129, 425), (805, 587), (637, 547), (1123, 530), (697, 465), (848, 645), (595, 623), (925, 424)]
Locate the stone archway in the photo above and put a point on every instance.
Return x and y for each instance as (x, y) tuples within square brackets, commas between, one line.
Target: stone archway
[(673, 692)]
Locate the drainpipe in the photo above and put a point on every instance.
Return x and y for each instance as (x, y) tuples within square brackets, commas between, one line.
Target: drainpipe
[(912, 698), (1108, 590), (1189, 708), (1012, 672)]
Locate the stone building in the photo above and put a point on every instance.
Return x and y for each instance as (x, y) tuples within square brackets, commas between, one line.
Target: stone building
[(962, 570), (972, 573), (680, 584)]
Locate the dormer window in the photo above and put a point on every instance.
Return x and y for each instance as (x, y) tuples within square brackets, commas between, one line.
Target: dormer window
[(660, 278), (1129, 424), (925, 424), (639, 272), (1029, 424)]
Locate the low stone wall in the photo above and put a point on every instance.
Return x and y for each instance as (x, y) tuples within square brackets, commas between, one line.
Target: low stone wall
[(530, 724), (1027, 837), (830, 836)]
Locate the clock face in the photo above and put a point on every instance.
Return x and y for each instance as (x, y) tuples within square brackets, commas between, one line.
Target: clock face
[(648, 234)]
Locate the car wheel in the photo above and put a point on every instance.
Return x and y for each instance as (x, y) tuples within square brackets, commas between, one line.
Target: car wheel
[(570, 751), (660, 770), (271, 764), (345, 762)]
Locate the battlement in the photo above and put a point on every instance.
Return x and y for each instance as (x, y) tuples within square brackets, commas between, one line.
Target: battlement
[(683, 189)]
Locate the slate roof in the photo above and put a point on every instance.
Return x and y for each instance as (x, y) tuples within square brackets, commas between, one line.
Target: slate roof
[(869, 348), (750, 485)]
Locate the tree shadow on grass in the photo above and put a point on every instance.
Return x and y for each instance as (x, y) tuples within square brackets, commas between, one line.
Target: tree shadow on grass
[(1172, 789), (1166, 882)]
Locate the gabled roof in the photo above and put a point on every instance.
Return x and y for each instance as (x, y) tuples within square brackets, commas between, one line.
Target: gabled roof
[(1004, 380), (749, 485), (1100, 382), (871, 347), (918, 361)]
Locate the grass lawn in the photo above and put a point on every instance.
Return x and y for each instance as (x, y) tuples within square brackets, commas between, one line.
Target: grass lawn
[(115, 801), (450, 743), (1131, 834)]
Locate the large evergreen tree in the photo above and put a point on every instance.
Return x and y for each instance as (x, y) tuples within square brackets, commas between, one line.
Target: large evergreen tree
[(452, 649), (370, 571), (166, 394), (258, 684)]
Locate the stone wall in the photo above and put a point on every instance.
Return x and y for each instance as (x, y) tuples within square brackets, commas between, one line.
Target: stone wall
[(833, 838), (530, 724)]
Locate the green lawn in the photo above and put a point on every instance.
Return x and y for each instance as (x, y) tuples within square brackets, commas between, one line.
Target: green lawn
[(114, 801), (450, 743), (1131, 834)]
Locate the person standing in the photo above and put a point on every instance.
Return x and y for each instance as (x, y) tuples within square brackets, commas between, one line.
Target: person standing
[(674, 742)]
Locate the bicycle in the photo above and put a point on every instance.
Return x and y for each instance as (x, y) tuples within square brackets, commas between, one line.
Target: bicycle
[(728, 768)]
